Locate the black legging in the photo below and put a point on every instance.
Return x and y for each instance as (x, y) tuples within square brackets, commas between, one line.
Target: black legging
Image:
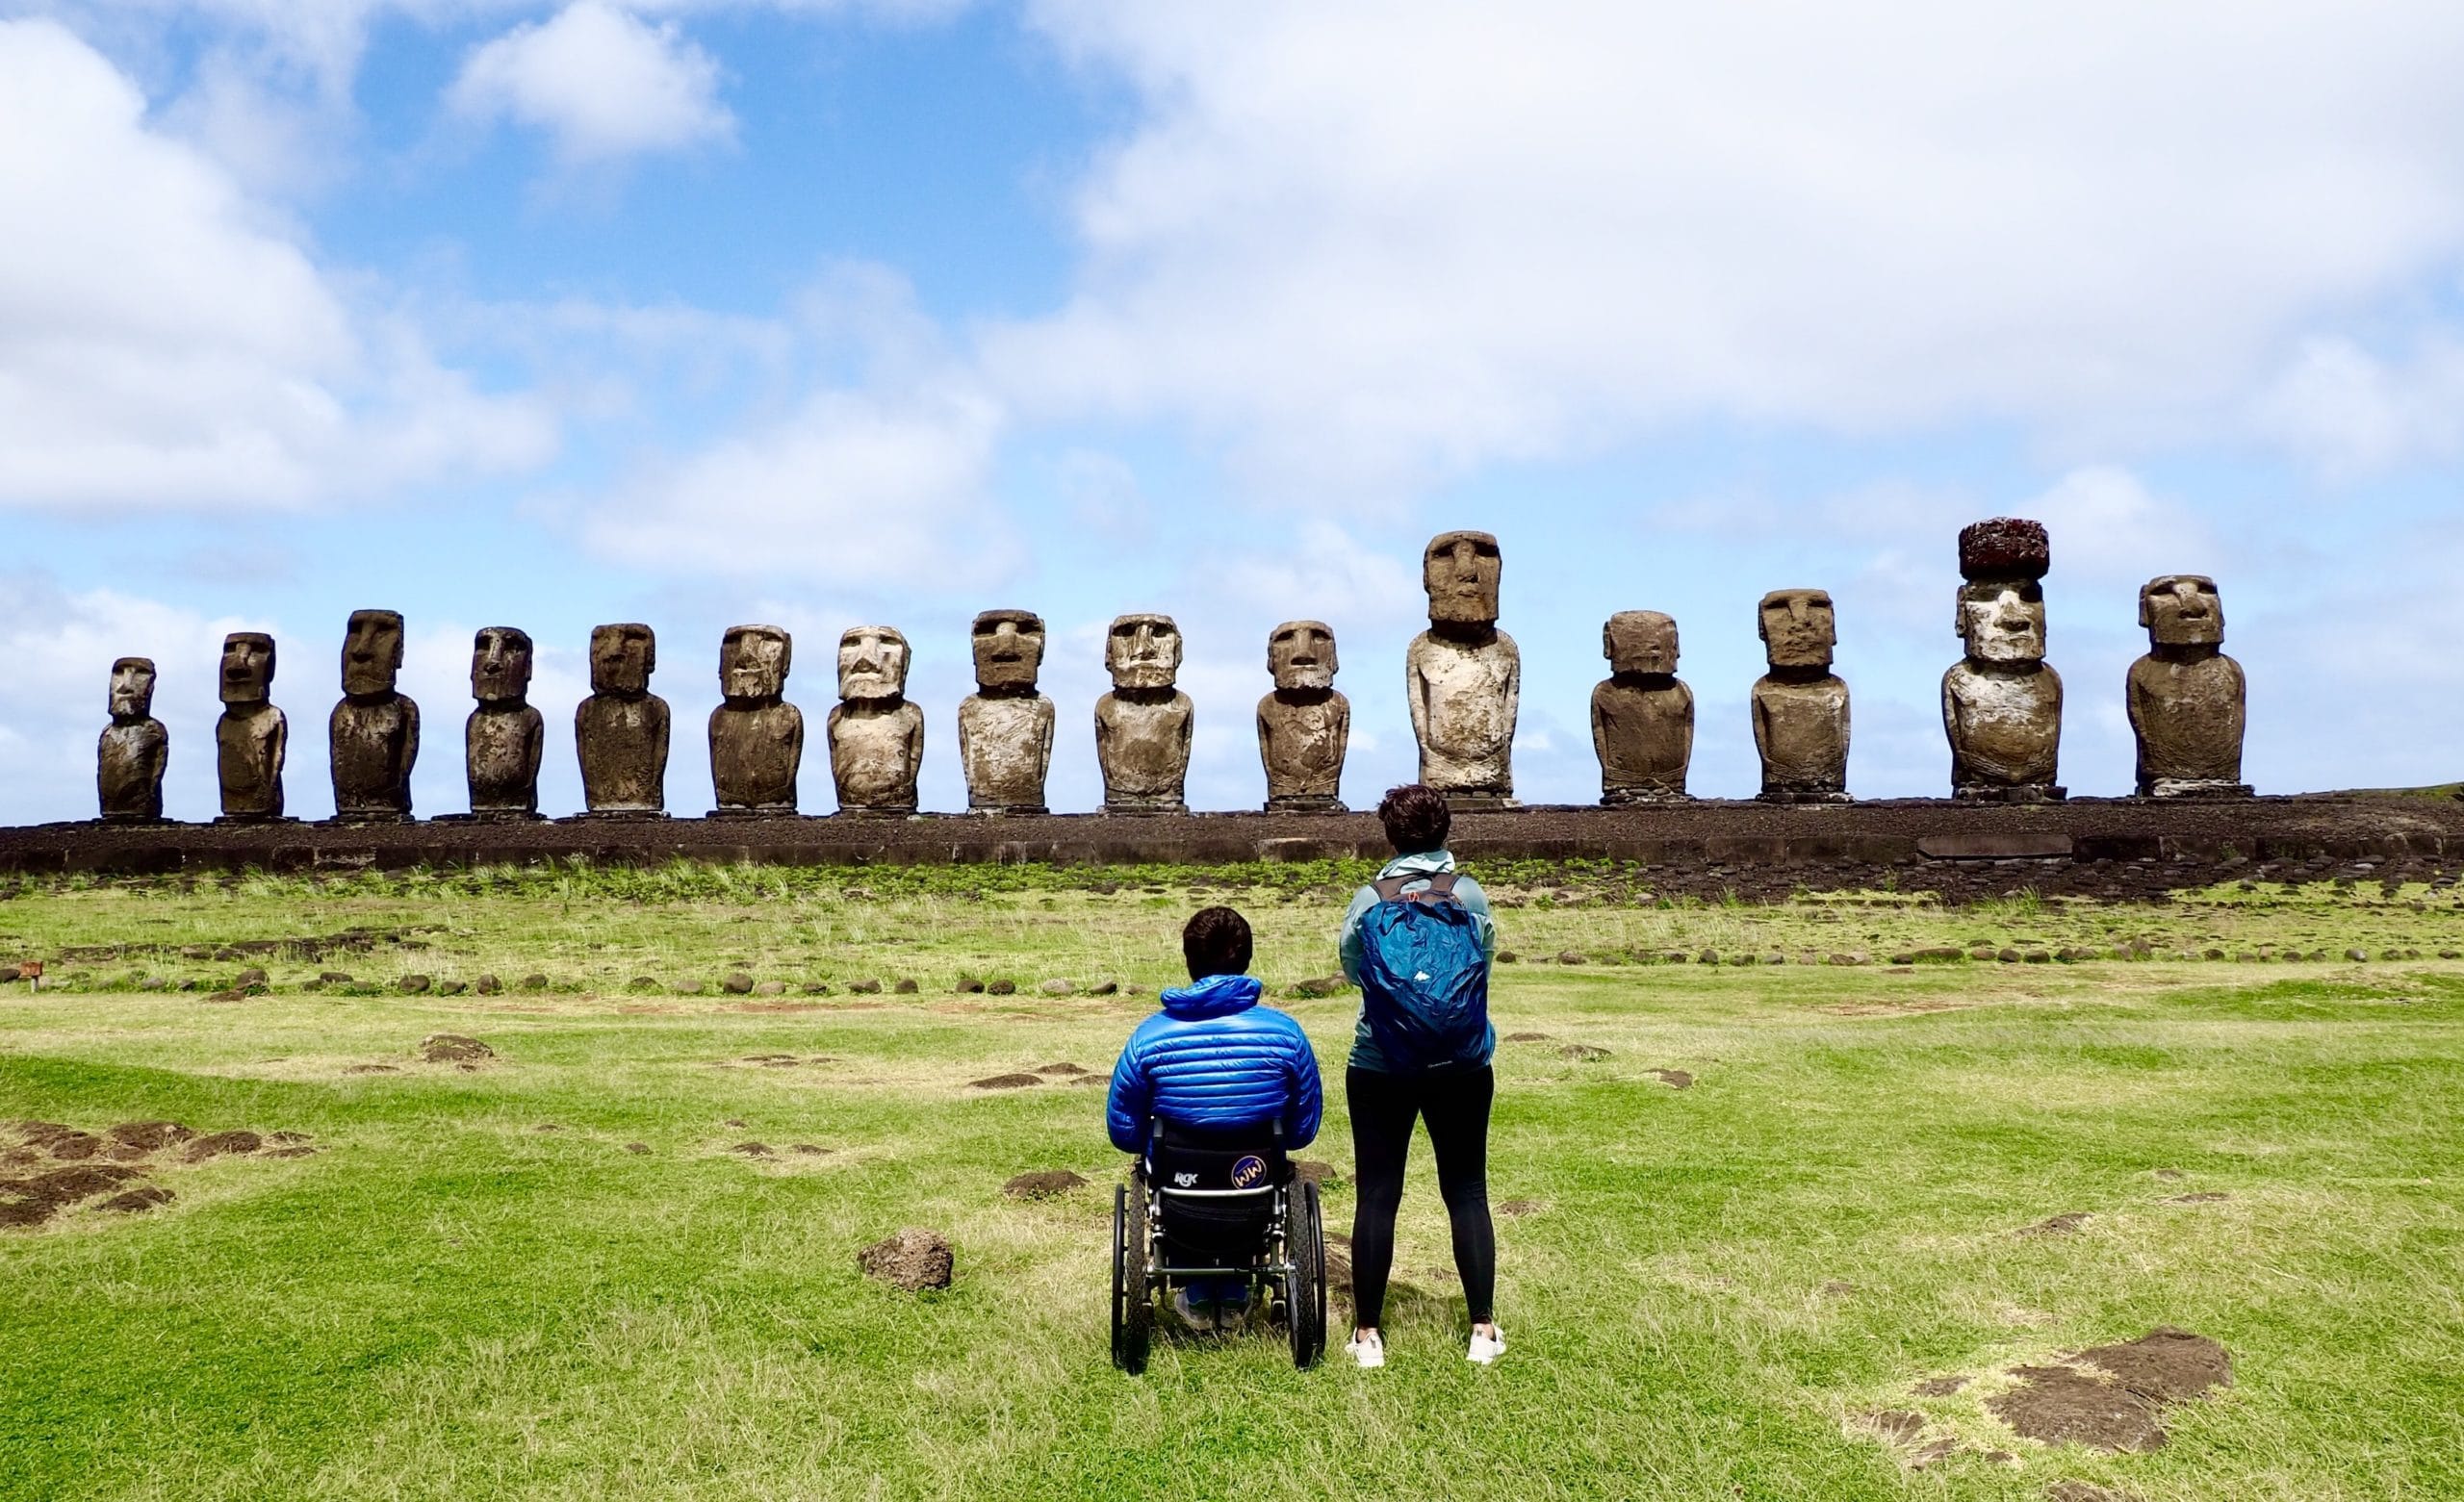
[(1455, 1103)]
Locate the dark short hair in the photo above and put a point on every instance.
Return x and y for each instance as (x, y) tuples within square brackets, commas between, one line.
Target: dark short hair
[(1216, 943), (1416, 819)]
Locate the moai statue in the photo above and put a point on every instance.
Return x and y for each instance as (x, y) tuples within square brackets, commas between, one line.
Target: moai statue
[(1143, 725), (1304, 727), (1801, 706), (129, 761), (252, 735), (2188, 700), (1642, 717), (503, 737), (375, 731), (876, 734), (2002, 705), (1005, 727), (1463, 676), (620, 732), (757, 737)]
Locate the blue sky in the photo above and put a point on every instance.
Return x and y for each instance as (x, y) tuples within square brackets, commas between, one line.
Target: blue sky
[(817, 313)]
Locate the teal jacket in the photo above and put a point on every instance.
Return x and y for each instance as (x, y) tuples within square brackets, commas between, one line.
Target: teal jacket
[(1364, 1048)]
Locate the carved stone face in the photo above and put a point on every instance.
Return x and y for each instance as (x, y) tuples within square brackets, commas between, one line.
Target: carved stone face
[(753, 662), (1640, 641), (2003, 622), (247, 668), (499, 665), (1009, 649), (132, 688), (2182, 610), (1798, 628), (872, 663), (1460, 570), (371, 651), (1301, 655), (1143, 652), (622, 658)]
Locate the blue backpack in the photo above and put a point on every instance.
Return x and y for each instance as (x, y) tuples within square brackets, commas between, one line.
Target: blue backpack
[(1423, 978)]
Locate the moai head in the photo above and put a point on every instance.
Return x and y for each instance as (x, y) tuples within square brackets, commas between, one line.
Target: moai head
[(872, 663), (132, 689), (622, 658), (753, 662), (1640, 641), (2182, 610), (247, 668), (2001, 608), (1009, 649), (1142, 652), (499, 665), (1301, 655), (1459, 569), (1798, 628), (371, 652)]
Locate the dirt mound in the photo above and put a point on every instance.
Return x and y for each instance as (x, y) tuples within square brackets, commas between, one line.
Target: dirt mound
[(370, 1069), (1063, 1068), (1005, 1083), (637, 1147), (810, 1150), (2081, 1491), (2061, 1225), (913, 1260), (1531, 1038), (1308, 1170), (1042, 1184), (451, 1048), (2204, 1197), (1516, 1209), (1897, 1426), (149, 1136), (752, 1149), (1583, 1052), (1674, 1079), (2116, 1401), (219, 1144), (68, 1145), (1939, 1387), (142, 1198), (30, 1202)]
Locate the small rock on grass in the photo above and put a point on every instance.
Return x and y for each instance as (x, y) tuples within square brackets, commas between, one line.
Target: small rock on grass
[(1055, 987), (737, 985), (487, 986), (1001, 988), (535, 982), (864, 987), (452, 988), (334, 977), (1573, 957), (913, 1260), (771, 989), (906, 987), (1104, 988), (253, 976)]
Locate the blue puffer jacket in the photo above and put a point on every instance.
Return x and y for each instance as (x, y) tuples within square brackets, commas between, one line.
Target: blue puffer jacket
[(1214, 1059)]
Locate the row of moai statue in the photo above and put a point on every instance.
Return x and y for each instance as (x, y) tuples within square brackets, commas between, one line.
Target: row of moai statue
[(2001, 708)]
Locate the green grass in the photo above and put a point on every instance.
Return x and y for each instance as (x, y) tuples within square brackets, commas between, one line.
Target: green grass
[(447, 1301)]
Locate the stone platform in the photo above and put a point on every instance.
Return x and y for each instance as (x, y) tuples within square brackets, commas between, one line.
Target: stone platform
[(2117, 848)]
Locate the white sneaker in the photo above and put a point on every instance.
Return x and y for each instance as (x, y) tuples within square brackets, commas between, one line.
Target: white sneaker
[(1485, 1348), (1370, 1352), (1200, 1318)]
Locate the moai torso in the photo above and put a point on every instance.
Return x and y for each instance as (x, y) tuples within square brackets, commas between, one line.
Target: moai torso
[(502, 738), (1305, 725), (1642, 718), (2002, 703), (757, 738), (1005, 727), (1142, 727), (1799, 707), (621, 730), (375, 731), (2188, 700), (876, 735), (134, 749), (252, 736), (1463, 678)]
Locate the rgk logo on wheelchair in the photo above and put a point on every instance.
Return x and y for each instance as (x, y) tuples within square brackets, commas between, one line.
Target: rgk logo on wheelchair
[(1216, 1205)]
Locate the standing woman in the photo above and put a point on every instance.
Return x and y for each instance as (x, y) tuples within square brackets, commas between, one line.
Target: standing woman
[(1419, 942)]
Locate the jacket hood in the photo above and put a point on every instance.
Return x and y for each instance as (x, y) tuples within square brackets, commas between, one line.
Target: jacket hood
[(1427, 864), (1216, 996)]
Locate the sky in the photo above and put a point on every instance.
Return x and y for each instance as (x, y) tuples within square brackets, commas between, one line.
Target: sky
[(829, 312)]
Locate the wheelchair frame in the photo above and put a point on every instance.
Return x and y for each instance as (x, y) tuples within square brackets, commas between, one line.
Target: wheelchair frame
[(1291, 1277)]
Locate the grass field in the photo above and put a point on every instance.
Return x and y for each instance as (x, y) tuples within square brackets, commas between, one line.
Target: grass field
[(475, 1287)]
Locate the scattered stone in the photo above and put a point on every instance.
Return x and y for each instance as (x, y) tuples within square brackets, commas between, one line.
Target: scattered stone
[(689, 988), (1056, 988), (535, 982), (2357, 955), (2057, 1226), (451, 1048), (906, 987), (641, 984), (334, 977), (815, 988), (771, 989), (738, 984), (1674, 1079), (913, 1260), (1004, 1082), (220, 1144), (1941, 1387), (637, 1147), (1507, 956), (1584, 1053), (149, 1136), (1105, 988), (1043, 1184), (864, 987), (235, 994), (1850, 959), (1571, 957), (1001, 988), (969, 985), (487, 986), (413, 984), (253, 976)]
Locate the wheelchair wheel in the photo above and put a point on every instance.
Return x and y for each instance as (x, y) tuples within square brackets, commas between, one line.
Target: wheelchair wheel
[(1133, 1304), (1305, 1287)]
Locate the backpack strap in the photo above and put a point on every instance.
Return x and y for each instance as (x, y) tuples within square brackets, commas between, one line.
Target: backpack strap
[(1440, 888)]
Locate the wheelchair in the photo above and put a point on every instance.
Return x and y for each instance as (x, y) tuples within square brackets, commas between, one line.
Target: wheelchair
[(1216, 1204)]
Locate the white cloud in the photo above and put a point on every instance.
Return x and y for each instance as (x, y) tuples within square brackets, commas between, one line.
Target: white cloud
[(2352, 412), (164, 344), (1395, 238), (601, 83)]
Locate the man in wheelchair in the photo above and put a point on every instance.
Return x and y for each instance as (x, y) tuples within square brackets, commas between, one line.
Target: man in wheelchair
[(1211, 1093)]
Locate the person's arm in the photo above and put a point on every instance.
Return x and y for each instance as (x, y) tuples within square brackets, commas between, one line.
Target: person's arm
[(1308, 1096), (1131, 1101), (1347, 944)]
